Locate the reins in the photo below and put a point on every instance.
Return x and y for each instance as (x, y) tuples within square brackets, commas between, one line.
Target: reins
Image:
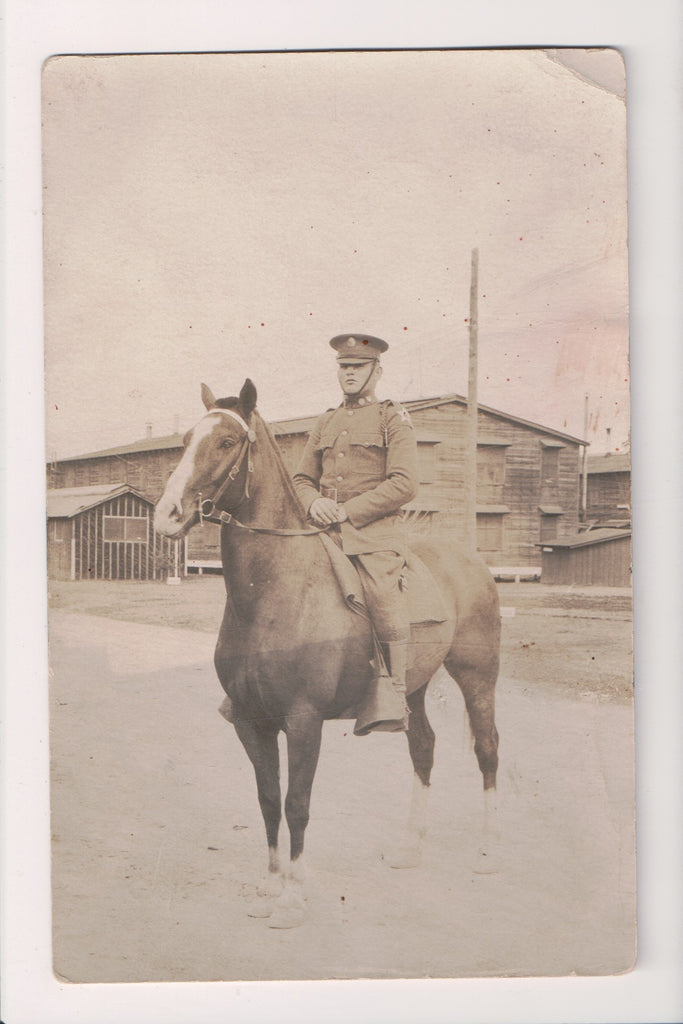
[(228, 519), (206, 507)]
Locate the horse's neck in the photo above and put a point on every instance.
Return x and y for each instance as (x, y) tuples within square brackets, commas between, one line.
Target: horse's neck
[(272, 499), (253, 563)]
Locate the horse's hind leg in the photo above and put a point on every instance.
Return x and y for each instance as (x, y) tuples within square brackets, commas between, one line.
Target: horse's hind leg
[(262, 747), (421, 746), (473, 663)]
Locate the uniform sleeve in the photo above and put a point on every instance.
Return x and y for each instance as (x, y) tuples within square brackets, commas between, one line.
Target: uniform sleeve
[(402, 478), (308, 473)]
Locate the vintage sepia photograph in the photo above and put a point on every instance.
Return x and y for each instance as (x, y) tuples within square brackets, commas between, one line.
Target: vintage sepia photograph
[(339, 515)]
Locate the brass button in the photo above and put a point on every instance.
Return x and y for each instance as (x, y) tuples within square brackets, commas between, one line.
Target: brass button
[(340, 478), (341, 455)]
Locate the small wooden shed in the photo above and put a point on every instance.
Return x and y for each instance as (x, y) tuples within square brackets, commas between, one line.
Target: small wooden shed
[(105, 532), (599, 557)]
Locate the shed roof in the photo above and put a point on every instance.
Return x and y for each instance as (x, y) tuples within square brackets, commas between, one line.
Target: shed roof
[(66, 502), (582, 540), (612, 462), (303, 424)]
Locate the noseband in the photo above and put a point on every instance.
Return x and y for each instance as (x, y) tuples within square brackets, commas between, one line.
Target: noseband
[(206, 508)]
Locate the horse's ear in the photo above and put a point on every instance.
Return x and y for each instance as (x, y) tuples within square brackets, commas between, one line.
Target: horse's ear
[(207, 397), (247, 398)]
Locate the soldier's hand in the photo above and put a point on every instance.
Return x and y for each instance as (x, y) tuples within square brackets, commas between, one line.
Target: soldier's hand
[(324, 511)]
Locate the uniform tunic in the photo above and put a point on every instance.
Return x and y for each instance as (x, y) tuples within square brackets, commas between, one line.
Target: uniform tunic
[(364, 455)]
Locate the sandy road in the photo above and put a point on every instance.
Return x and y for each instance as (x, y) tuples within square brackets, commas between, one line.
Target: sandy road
[(158, 842)]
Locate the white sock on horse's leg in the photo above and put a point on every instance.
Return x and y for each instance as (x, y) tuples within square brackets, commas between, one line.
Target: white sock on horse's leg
[(274, 880), (409, 853), (290, 907), (417, 817), (489, 849), (270, 888)]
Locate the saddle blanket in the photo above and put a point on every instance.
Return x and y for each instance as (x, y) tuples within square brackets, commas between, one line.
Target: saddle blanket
[(425, 602)]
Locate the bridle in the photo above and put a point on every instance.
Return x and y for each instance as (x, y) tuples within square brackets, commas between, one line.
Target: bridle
[(206, 507)]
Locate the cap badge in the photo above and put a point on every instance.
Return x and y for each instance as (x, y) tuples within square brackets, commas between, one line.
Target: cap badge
[(351, 342)]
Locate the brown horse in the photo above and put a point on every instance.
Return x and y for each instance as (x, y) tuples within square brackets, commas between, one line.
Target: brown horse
[(291, 653)]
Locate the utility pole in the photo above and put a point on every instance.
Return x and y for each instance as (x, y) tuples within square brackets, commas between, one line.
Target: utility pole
[(470, 532), (584, 465)]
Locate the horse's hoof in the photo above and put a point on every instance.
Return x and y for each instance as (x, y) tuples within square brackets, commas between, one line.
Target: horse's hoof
[(487, 862), (261, 907), (287, 917), (404, 857), (270, 889)]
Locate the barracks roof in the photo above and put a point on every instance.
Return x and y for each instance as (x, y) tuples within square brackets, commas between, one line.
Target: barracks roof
[(146, 444), (303, 424), (66, 502)]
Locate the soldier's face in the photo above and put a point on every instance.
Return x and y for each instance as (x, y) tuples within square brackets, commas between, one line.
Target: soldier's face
[(356, 378)]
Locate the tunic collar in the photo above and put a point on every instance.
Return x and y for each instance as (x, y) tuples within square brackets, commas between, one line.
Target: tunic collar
[(359, 401)]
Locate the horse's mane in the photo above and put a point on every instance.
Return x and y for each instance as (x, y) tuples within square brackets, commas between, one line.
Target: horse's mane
[(287, 481)]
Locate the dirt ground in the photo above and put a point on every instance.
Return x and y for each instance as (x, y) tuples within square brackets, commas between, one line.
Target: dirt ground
[(158, 843)]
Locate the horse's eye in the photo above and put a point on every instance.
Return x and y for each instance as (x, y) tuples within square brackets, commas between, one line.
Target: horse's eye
[(228, 443)]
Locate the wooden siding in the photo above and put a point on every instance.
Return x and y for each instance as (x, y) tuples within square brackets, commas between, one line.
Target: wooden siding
[(145, 471), (59, 549), (608, 496), (606, 563), (516, 486)]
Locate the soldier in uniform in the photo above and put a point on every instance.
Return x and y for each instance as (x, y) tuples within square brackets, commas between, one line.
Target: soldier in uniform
[(359, 467)]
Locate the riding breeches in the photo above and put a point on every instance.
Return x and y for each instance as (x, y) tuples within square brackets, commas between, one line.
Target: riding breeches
[(381, 574)]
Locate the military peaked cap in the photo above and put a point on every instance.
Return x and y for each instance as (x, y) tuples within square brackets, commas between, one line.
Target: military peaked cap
[(358, 348)]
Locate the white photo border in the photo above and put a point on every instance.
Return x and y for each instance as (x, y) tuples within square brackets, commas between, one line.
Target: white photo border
[(648, 36)]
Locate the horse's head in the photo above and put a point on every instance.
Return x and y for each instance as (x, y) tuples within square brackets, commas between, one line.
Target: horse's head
[(213, 458)]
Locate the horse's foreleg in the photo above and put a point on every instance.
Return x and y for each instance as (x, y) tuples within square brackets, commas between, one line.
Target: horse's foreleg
[(262, 747), (304, 733)]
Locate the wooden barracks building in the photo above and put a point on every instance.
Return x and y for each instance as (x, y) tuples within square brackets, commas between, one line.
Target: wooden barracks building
[(528, 493)]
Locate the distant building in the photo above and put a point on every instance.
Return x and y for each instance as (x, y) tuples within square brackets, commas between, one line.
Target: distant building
[(608, 492), (528, 478), (600, 557), (104, 532)]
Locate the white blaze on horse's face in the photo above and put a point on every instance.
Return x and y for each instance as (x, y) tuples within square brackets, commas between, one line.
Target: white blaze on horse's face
[(210, 449)]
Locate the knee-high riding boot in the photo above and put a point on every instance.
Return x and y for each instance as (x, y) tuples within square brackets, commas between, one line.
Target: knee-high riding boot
[(385, 709)]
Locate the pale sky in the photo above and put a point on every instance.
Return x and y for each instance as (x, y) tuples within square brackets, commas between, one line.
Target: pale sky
[(212, 217)]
